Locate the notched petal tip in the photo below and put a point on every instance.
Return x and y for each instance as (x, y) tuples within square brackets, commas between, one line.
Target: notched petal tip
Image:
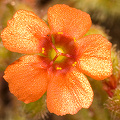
[(26, 79), (70, 21), (25, 33), (94, 56), (68, 96)]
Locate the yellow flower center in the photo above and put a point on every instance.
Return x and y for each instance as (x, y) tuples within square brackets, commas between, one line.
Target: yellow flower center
[(53, 54)]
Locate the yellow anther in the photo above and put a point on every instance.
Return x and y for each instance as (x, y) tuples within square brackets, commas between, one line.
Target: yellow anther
[(59, 68), (60, 32), (74, 39), (43, 50), (74, 64)]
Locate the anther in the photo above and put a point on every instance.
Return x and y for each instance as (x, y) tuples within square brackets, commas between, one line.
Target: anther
[(60, 32), (74, 64), (59, 68), (74, 39), (43, 50)]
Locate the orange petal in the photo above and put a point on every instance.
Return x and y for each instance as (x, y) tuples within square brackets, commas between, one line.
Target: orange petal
[(72, 22), (94, 56), (27, 78), (25, 33), (68, 93)]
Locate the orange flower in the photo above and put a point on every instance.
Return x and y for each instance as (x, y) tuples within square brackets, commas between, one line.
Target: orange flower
[(64, 56)]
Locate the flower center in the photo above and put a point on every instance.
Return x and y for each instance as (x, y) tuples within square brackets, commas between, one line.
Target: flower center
[(58, 54)]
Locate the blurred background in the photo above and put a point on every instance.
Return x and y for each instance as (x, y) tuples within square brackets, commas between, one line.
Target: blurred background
[(105, 15)]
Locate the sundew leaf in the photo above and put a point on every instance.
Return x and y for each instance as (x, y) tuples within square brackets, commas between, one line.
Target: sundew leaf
[(35, 110)]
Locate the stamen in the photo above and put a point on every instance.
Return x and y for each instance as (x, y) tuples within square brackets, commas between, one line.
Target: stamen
[(43, 50), (74, 64), (59, 68), (74, 39), (60, 32)]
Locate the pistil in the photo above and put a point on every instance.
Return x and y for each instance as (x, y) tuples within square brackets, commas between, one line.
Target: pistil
[(57, 54)]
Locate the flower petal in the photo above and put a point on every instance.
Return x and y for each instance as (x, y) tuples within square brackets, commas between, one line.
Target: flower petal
[(72, 22), (25, 33), (94, 56), (68, 93), (27, 78)]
